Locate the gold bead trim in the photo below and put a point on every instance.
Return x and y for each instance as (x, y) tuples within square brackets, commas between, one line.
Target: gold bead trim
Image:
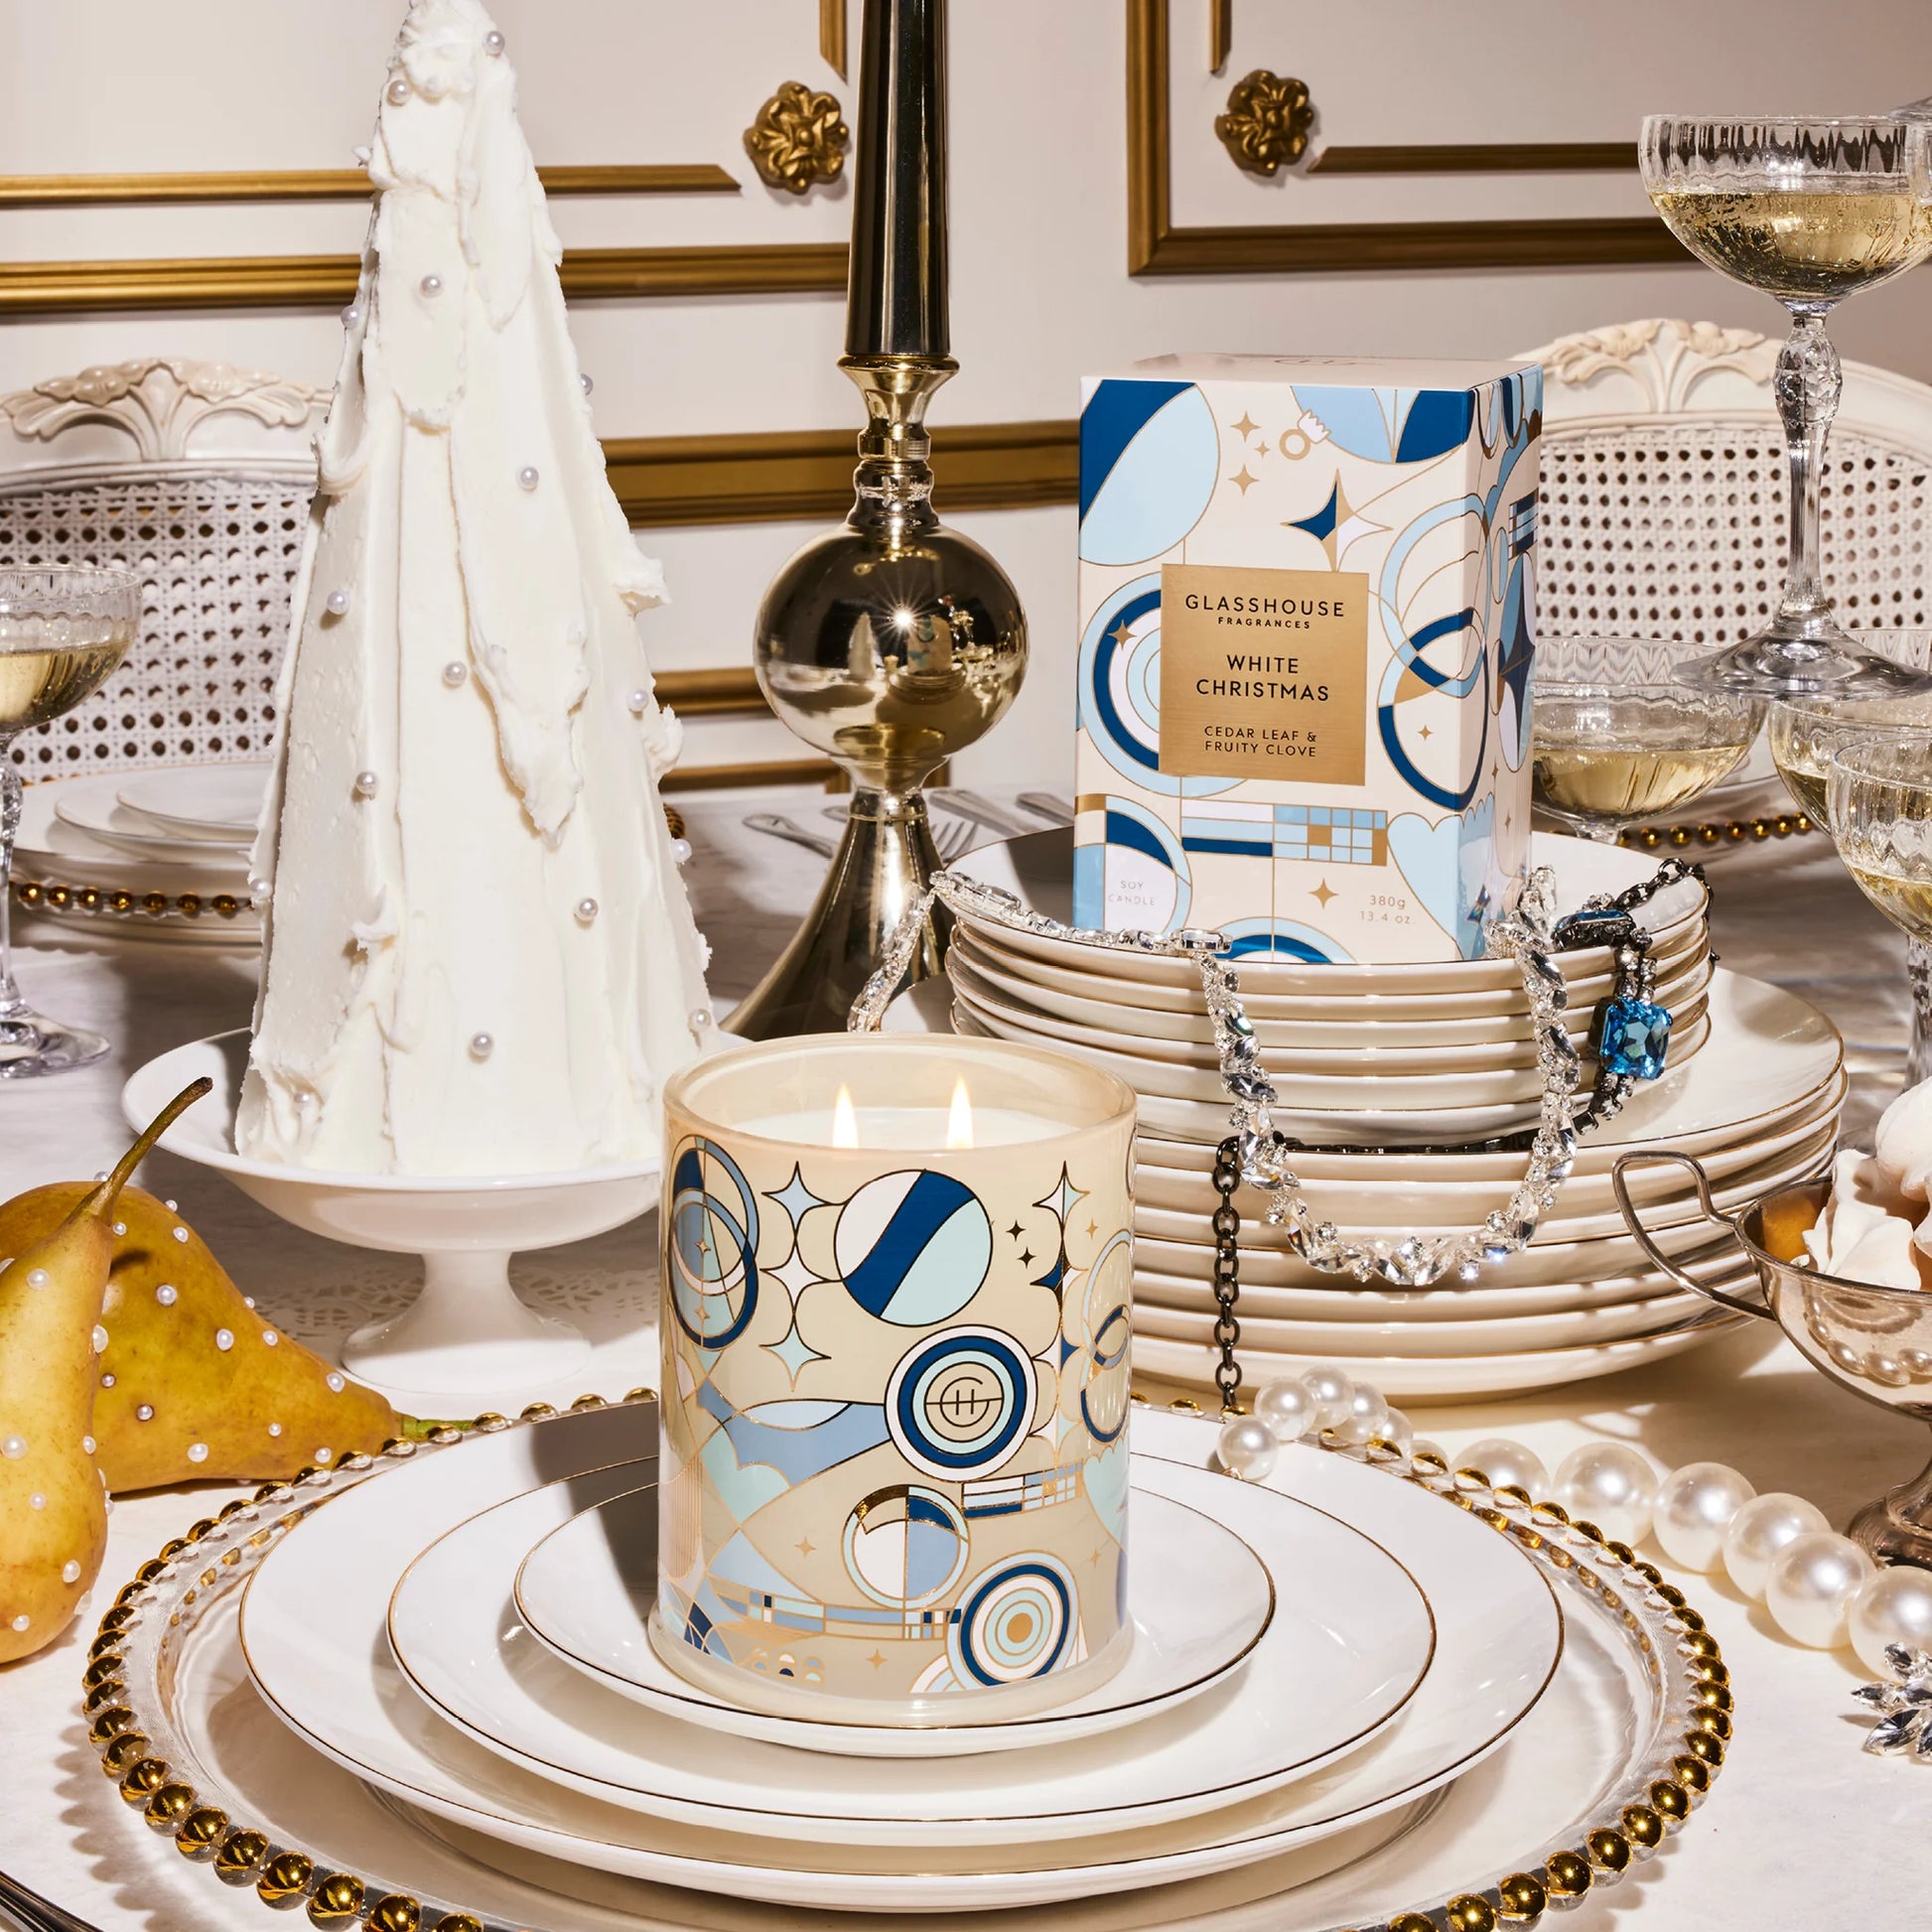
[(1694, 1683), (1735, 831)]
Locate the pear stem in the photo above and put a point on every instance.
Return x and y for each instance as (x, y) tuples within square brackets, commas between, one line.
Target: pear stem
[(105, 1197)]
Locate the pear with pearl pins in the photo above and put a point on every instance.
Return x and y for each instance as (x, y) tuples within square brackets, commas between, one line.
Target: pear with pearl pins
[(192, 1381), (53, 1498)]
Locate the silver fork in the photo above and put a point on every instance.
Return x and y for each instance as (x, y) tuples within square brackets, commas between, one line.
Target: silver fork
[(953, 837), (778, 826), (1042, 805)]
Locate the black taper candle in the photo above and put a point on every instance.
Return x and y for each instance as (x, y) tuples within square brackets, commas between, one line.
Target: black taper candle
[(896, 291)]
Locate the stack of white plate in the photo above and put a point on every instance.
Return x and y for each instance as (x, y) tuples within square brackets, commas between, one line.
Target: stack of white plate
[(1316, 1661), (174, 841), (1391, 1054), (1413, 1054)]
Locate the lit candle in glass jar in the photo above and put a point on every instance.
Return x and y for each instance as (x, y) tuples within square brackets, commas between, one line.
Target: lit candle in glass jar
[(897, 1304)]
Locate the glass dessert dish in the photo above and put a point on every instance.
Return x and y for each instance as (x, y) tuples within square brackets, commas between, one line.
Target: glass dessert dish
[(1874, 1342), (1615, 741), (1810, 211), (64, 631)]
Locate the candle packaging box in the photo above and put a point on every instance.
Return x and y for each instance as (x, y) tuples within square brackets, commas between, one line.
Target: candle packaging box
[(1306, 600)]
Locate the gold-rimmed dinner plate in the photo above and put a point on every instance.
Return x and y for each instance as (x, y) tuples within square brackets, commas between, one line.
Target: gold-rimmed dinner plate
[(1313, 1689), (586, 1591), (321, 1660)]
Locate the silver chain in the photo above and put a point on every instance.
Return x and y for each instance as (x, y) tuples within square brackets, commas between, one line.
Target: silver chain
[(1256, 1153)]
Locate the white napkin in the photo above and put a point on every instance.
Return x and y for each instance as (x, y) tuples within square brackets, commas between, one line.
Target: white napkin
[(1862, 1236)]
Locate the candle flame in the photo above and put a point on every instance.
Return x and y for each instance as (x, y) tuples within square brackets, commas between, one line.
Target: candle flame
[(959, 1121), (845, 1122)]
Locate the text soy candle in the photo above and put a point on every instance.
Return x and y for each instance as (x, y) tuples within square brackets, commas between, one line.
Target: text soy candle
[(896, 1294)]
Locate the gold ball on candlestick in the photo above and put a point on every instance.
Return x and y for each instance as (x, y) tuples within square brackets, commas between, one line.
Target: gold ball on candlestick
[(890, 646)]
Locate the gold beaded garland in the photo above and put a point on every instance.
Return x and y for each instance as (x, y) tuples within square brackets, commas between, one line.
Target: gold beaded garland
[(584, 1403), (1523, 1898), (1643, 1827), (241, 1853), (396, 1912), (1569, 1874), (1693, 1774), (201, 1834), (284, 1877), (100, 1669), (456, 1922), (1671, 1802), (1714, 1724), (337, 1900), (126, 1752), (1707, 1749), (110, 1724), (144, 1778), (1409, 1922), (1469, 1913), (1609, 1850), (168, 1807)]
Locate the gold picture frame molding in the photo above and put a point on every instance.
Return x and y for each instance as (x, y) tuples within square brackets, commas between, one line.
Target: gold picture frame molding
[(1155, 247), (327, 281), (334, 184)]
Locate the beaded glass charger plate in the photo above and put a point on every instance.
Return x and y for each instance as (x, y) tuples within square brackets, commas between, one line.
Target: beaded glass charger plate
[(586, 1591), (1614, 1756), (50, 853), (1311, 1691), (335, 1680)]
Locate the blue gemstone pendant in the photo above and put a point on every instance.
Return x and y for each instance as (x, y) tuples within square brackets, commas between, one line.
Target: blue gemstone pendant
[(1631, 1037)]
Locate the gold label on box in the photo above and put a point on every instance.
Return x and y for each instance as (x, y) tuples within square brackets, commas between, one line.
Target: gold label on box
[(1264, 675)]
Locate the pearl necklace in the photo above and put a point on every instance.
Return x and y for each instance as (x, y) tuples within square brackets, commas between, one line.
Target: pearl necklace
[(1821, 1590)]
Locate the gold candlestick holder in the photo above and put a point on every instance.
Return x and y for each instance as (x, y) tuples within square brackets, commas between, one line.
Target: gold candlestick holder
[(891, 642), (888, 645)]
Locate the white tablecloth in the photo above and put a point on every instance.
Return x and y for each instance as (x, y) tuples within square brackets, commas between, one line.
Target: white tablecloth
[(1801, 1831)]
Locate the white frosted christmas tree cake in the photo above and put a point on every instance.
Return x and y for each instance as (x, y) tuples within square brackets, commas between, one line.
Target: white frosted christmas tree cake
[(479, 956)]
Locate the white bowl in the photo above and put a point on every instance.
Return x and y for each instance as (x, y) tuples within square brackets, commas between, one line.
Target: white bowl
[(467, 1332)]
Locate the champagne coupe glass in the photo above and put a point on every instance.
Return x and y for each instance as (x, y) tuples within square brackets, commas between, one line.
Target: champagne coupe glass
[(1617, 740), (1810, 211), (1805, 734), (1878, 805), (63, 633)]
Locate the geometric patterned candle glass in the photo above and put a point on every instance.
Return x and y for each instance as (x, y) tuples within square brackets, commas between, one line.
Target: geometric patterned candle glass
[(894, 1478)]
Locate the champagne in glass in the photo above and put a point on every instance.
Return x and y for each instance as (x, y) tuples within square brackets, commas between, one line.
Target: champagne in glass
[(63, 632), (1810, 211), (1615, 742), (1878, 805), (1806, 734)]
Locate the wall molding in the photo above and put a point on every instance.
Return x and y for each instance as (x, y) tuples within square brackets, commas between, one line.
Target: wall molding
[(1155, 247), (1480, 157), (329, 281), (806, 474), (775, 772), (334, 184)]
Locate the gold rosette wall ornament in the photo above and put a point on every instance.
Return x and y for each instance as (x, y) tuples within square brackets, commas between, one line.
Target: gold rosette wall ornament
[(1268, 121), (798, 138)]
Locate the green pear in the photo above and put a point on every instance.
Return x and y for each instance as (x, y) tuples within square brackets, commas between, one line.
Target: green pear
[(192, 1382), (53, 1498)]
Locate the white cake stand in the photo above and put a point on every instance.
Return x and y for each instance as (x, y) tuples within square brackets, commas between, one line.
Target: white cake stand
[(466, 1331)]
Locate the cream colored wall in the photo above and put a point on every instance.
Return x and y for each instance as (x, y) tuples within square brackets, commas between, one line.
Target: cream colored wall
[(1041, 292)]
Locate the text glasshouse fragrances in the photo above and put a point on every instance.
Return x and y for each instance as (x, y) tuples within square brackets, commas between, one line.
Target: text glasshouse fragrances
[(1306, 599)]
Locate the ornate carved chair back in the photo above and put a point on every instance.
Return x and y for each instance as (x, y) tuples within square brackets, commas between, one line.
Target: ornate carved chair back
[(1663, 504), (197, 478)]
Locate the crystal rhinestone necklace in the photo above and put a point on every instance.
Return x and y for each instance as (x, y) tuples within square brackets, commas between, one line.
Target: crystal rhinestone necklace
[(1629, 1035)]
